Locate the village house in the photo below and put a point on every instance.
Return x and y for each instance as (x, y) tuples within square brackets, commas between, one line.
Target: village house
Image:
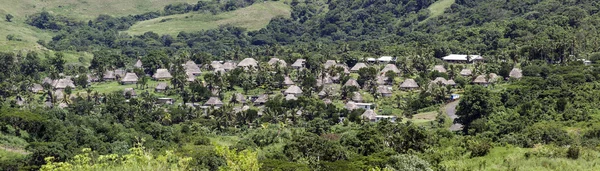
[(409, 84), (192, 68), (161, 87), (300, 63), (129, 93), (162, 74), (130, 78), (454, 58), (295, 90), (214, 102), (357, 67)]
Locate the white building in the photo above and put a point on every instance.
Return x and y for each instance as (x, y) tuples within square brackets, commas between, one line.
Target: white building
[(462, 58)]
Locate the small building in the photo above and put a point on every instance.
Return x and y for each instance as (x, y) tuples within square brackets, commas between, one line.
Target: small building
[(366, 106), (260, 100), (248, 63), (409, 84), (455, 58), (120, 73), (439, 68), (454, 96), (346, 70), (287, 81), (440, 80), (162, 74), (109, 76), (190, 77), (352, 82), (350, 105), (385, 91), (300, 63), (371, 116), (492, 77), (451, 83), (382, 80), (63, 83), (192, 68), (214, 102), (36, 88), (138, 64), (480, 80), (238, 98), (390, 67), (129, 93), (274, 62), (214, 65), (228, 66), (295, 90), (130, 78), (290, 97), (357, 97), (329, 63), (466, 72), (386, 59), (165, 100), (47, 81), (161, 87), (516, 73), (357, 67)]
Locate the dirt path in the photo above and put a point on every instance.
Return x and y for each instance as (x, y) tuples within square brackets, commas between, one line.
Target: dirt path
[(14, 150), (451, 112)]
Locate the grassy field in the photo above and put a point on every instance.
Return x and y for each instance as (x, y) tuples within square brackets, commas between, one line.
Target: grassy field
[(438, 8), (253, 17)]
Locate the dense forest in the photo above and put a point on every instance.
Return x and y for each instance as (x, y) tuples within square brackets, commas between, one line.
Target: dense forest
[(545, 117)]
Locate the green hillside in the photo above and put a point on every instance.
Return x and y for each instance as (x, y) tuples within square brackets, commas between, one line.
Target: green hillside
[(253, 17)]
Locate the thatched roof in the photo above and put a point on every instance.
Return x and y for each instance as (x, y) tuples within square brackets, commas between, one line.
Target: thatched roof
[(293, 89), (240, 109), (409, 83), (63, 83), (516, 73), (59, 94), (213, 101), (299, 63), (192, 68), (228, 66), (190, 77), (288, 81), (130, 77), (262, 99), (216, 65), (369, 114), (36, 88), (277, 62), (384, 90), (480, 80), (439, 68), (451, 82), (248, 62), (352, 82), (329, 63), (290, 97), (390, 67), (109, 75), (350, 105), (322, 93), (120, 72), (239, 98), (440, 80), (161, 86), (346, 69), (466, 72), (91, 78), (47, 81), (382, 80), (358, 66), (138, 64), (131, 92), (493, 77), (162, 74), (326, 81), (356, 96)]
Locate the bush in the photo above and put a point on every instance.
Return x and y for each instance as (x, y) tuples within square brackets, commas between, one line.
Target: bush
[(573, 152), (479, 148)]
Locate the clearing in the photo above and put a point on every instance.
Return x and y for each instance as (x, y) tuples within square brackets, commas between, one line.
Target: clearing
[(438, 8), (253, 17)]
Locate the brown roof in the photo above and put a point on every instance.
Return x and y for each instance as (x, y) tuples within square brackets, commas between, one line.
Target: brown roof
[(228, 66), (63, 83), (329, 63), (381, 80), (439, 68), (248, 62), (109, 75), (293, 90), (480, 80), (138, 64), (390, 67), (299, 63), (358, 66), (440, 80), (262, 99), (384, 90), (466, 72), (277, 61), (451, 82), (516, 73), (192, 67), (213, 101), (190, 77), (369, 114), (409, 83), (130, 77), (288, 81), (162, 74), (493, 77), (290, 97), (120, 72), (352, 82), (59, 94), (350, 105), (215, 65), (356, 96)]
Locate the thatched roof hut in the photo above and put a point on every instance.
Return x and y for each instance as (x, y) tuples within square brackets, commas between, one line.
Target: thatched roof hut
[(276, 61), (238, 98), (451, 83), (109, 76), (130, 78), (192, 68), (293, 89), (329, 63), (357, 97), (138, 64), (299, 63), (262, 99), (162, 74), (36, 88), (358, 66), (516, 73), (440, 80), (190, 77), (350, 105), (352, 82), (369, 115), (287, 81), (346, 69), (409, 84), (492, 77), (480, 80), (466, 72), (385, 91), (47, 81), (216, 65), (248, 62), (382, 80), (228, 66), (390, 67), (120, 73), (63, 83), (214, 101), (59, 94), (161, 87), (290, 97), (439, 68), (326, 81), (129, 92)]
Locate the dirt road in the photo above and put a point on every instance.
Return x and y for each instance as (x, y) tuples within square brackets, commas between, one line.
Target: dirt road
[(451, 112)]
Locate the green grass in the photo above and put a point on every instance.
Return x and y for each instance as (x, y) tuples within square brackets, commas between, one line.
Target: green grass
[(253, 17), (438, 8)]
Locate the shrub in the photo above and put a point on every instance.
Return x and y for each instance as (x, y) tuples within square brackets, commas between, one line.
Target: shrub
[(573, 152), (479, 148)]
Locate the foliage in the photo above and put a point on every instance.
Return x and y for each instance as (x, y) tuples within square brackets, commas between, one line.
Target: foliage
[(238, 161)]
